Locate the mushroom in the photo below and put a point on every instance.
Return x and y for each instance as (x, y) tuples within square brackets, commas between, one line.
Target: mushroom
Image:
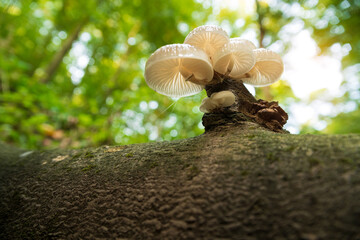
[(210, 59), (267, 69), (178, 70), (235, 58), (217, 100), (208, 37), (207, 105), (249, 43), (223, 98)]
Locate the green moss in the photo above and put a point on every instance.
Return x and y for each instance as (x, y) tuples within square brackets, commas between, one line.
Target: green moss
[(272, 157), (89, 155), (290, 149), (88, 167), (154, 164), (130, 154), (39, 177), (67, 169), (76, 156), (346, 161)]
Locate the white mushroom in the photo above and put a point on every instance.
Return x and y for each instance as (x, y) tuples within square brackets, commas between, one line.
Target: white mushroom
[(267, 69), (178, 70), (217, 100), (223, 98), (235, 58), (249, 43), (207, 104), (209, 38)]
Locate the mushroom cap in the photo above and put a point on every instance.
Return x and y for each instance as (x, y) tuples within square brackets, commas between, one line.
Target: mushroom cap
[(169, 67), (267, 69), (207, 105), (217, 100), (223, 98), (249, 43), (208, 37), (235, 58)]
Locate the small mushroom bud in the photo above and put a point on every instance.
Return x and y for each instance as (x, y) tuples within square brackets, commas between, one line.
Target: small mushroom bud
[(178, 70), (223, 98), (267, 69), (235, 58), (209, 38), (207, 105), (217, 100)]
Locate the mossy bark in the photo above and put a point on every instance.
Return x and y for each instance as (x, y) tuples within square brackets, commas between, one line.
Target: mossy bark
[(238, 181)]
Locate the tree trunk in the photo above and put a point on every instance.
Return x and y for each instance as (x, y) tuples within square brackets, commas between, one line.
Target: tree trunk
[(58, 57), (238, 181)]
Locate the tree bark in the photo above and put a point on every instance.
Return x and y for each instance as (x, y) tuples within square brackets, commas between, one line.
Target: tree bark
[(58, 57), (268, 114), (238, 181)]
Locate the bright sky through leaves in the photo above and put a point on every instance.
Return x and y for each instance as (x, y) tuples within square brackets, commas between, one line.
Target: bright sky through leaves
[(305, 70)]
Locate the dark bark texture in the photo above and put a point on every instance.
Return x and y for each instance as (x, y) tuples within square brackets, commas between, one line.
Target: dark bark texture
[(238, 181), (268, 114)]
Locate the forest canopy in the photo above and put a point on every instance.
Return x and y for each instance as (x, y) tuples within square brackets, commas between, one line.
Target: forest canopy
[(71, 72)]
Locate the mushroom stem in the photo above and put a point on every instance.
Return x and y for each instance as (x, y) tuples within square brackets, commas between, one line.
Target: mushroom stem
[(226, 83), (268, 114), (229, 67)]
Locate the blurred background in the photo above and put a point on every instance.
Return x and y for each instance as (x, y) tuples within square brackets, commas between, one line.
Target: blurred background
[(71, 72)]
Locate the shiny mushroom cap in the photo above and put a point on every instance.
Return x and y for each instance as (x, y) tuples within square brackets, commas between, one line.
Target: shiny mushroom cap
[(207, 105), (223, 98), (247, 42), (235, 58), (178, 70), (208, 37), (217, 100), (267, 69)]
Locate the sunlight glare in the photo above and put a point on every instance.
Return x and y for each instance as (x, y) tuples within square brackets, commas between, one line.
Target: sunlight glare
[(307, 72), (245, 7)]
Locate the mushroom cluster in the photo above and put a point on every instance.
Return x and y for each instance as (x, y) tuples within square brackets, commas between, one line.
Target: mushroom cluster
[(179, 70)]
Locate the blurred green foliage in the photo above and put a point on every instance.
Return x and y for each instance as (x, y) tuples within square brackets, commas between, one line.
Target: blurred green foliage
[(71, 72), (334, 24), (112, 103)]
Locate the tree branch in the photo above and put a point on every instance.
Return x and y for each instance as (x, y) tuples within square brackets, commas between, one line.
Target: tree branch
[(58, 57), (235, 182)]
